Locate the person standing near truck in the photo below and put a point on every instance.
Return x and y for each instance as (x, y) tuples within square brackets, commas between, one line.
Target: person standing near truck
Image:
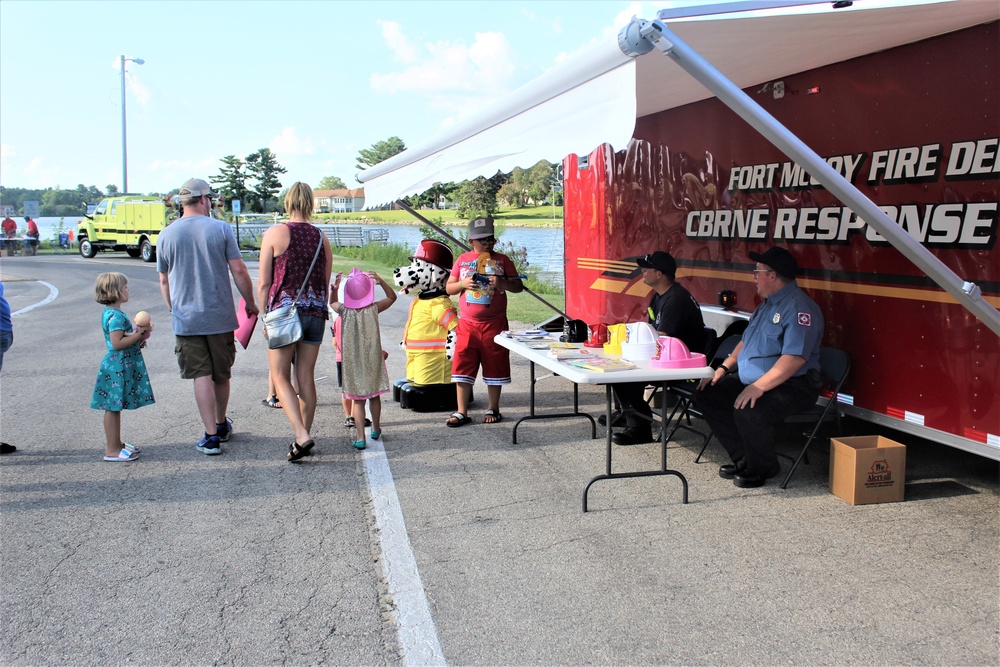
[(773, 372), (32, 234), (194, 258), (9, 229)]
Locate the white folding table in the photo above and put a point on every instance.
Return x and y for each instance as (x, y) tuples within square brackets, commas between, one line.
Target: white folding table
[(643, 372)]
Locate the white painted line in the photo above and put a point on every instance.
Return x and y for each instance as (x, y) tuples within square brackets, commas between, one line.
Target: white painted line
[(418, 640), (53, 293)]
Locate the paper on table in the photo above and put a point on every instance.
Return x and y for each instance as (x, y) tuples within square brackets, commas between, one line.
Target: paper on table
[(601, 364), (245, 325), (570, 353)]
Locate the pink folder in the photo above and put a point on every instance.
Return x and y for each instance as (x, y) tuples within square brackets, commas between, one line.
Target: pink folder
[(246, 325)]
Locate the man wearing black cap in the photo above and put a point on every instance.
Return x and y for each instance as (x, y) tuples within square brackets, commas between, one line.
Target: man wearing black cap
[(672, 312), (773, 372)]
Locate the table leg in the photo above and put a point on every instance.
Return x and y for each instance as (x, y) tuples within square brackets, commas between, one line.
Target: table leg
[(557, 415), (644, 473)]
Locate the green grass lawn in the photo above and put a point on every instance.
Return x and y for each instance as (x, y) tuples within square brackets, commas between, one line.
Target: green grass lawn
[(522, 308), (529, 216)]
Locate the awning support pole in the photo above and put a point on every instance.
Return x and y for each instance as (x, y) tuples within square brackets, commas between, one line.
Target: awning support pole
[(966, 293), (406, 207)]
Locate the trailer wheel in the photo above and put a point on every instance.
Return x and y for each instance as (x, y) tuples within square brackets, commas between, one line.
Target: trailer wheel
[(86, 249), (132, 252), (147, 251)]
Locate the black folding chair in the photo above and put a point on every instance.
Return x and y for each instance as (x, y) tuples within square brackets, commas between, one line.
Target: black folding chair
[(834, 365), (685, 396)]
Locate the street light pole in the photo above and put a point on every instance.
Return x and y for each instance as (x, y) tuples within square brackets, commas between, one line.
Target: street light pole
[(137, 61)]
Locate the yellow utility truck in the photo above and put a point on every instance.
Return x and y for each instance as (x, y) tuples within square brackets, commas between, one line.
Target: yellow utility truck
[(131, 223)]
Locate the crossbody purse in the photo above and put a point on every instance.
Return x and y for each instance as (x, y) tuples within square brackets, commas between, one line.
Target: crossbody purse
[(282, 324)]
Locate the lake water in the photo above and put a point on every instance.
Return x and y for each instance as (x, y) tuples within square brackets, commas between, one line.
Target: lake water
[(48, 227), (544, 244)]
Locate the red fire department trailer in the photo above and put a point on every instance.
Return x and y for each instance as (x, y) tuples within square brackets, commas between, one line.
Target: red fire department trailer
[(867, 142)]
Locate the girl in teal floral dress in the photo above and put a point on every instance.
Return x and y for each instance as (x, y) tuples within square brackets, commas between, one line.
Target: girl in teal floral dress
[(122, 381)]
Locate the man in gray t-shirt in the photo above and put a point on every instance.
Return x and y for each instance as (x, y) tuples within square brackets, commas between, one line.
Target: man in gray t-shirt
[(194, 257)]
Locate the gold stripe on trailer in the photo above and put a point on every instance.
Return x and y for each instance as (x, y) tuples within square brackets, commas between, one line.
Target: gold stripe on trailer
[(638, 288)]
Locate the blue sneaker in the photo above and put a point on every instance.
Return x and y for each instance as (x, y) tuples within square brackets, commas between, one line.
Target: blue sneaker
[(224, 430), (209, 445)]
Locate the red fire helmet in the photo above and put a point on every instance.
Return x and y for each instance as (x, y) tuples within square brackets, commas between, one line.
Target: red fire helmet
[(434, 252)]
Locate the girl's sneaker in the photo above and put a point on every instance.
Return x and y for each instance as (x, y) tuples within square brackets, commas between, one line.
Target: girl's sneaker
[(359, 444), (376, 434)]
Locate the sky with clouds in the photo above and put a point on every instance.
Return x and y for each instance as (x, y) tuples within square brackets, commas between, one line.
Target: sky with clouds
[(313, 81)]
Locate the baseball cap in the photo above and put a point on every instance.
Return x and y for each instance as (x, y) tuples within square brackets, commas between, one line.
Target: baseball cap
[(659, 260), (480, 228), (779, 259), (195, 187), (359, 289)]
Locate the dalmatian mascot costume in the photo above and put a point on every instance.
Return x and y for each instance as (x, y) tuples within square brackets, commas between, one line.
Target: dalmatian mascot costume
[(428, 337)]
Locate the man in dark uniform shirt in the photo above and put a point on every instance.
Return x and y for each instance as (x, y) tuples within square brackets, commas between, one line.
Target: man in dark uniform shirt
[(672, 312), (772, 373)]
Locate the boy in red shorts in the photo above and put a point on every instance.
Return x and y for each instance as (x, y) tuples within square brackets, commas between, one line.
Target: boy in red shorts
[(483, 315)]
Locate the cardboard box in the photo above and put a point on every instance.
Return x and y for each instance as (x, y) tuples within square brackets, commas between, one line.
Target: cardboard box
[(867, 469)]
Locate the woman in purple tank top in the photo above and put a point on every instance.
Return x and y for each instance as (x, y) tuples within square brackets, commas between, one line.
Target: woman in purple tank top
[(286, 254)]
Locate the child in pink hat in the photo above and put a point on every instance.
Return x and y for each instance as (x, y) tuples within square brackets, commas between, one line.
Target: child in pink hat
[(364, 375)]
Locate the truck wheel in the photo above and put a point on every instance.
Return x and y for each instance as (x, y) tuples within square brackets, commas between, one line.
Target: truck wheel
[(86, 249), (132, 252), (147, 251)]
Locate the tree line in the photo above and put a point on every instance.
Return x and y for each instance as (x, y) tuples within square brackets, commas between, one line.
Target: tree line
[(253, 180), (479, 196), (53, 202)]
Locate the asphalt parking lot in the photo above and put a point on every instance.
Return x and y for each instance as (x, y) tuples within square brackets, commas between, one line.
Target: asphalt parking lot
[(247, 559)]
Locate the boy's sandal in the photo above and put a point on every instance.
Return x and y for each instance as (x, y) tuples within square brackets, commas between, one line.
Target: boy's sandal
[(123, 455), (492, 417), (458, 419), (349, 422), (272, 401)]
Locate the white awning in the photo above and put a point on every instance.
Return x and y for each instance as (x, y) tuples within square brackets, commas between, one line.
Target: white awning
[(596, 99)]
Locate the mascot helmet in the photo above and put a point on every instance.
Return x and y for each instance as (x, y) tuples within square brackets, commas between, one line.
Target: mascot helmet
[(434, 252)]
